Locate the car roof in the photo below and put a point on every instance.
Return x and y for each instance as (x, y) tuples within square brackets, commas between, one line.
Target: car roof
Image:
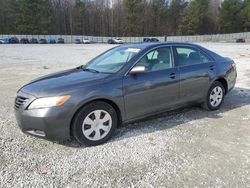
[(150, 45), (155, 44)]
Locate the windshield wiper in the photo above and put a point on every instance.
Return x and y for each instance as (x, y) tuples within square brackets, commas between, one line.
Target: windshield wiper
[(90, 70)]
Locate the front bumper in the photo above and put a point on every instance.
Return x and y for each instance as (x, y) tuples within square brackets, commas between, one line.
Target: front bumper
[(49, 123)]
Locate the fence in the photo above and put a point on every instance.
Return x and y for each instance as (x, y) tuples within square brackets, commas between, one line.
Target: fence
[(72, 38), (99, 39), (211, 38)]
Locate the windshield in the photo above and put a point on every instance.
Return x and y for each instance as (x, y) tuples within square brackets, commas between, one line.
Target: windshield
[(111, 61)]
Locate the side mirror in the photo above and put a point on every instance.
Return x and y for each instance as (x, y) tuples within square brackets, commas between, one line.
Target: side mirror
[(138, 70)]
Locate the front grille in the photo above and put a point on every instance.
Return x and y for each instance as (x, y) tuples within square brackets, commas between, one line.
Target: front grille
[(20, 101)]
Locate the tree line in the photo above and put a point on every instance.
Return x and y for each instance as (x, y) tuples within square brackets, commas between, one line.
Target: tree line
[(124, 17)]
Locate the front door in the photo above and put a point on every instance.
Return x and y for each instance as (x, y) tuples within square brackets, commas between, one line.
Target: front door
[(154, 90)]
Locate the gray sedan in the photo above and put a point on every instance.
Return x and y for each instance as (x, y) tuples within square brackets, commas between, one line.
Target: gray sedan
[(124, 84)]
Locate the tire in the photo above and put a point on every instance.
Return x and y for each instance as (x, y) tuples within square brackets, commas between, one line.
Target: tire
[(214, 102), (86, 124)]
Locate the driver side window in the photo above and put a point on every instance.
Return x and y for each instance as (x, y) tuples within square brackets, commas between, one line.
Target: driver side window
[(156, 60)]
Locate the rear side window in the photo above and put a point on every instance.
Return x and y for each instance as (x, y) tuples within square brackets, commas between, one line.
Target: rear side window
[(205, 58), (190, 56)]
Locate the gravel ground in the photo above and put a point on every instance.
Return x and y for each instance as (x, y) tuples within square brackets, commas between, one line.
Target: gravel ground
[(188, 148)]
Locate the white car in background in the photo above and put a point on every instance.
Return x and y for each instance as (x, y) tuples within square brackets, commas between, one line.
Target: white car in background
[(86, 41), (115, 41)]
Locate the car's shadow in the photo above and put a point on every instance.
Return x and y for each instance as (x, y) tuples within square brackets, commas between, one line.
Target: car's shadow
[(237, 98)]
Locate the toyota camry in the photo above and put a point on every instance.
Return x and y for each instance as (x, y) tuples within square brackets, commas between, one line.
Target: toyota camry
[(122, 85)]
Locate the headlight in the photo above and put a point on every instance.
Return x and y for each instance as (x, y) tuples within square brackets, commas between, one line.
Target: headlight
[(48, 102)]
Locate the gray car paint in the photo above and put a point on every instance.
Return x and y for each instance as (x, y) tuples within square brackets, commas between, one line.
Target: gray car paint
[(133, 96)]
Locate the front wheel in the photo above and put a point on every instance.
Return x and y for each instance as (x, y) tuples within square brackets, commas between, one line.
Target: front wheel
[(215, 96), (95, 123)]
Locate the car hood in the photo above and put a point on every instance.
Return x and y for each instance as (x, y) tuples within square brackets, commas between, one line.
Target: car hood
[(62, 82)]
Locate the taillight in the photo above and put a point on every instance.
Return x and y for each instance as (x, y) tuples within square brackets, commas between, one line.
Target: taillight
[(233, 65)]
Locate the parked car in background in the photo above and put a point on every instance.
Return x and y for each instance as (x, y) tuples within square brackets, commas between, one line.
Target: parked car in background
[(2, 41), (13, 40), (240, 40), (5, 40), (33, 41), (42, 41), (86, 41), (51, 41), (115, 41), (60, 41), (146, 40), (154, 40), (24, 41), (78, 41), (124, 84), (150, 40)]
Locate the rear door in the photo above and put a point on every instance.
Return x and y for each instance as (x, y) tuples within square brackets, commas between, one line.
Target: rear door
[(154, 90), (196, 69)]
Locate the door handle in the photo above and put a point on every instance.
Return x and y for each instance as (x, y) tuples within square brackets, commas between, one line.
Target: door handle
[(172, 76), (211, 67)]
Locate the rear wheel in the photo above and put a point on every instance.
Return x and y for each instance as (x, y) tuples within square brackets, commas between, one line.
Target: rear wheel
[(95, 123), (215, 96)]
